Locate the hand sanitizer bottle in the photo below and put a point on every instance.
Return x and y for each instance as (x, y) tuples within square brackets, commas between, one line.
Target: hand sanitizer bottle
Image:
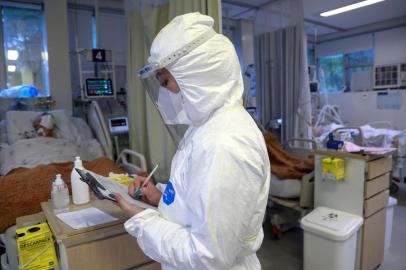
[(80, 190), (59, 195)]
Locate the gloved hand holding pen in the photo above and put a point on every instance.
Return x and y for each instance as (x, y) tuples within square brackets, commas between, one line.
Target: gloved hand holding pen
[(150, 193)]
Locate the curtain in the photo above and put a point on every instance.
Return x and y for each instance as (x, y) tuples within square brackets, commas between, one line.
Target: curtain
[(148, 134), (281, 67)]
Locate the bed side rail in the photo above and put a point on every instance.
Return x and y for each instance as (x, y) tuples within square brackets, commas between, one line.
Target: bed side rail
[(124, 158), (359, 138)]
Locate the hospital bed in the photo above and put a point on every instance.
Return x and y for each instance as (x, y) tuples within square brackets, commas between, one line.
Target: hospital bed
[(74, 136), (131, 161), (28, 165), (373, 134), (291, 199), (376, 134)]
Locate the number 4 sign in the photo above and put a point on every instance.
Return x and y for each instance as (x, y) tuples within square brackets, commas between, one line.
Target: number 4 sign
[(98, 55)]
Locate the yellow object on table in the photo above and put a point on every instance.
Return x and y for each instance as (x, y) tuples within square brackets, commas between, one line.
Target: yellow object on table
[(36, 248), (333, 168), (123, 179)]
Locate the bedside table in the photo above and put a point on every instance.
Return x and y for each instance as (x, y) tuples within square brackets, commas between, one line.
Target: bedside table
[(102, 247)]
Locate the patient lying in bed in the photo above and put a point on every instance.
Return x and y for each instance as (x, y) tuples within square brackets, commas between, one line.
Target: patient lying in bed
[(287, 171), (44, 125), (284, 165)]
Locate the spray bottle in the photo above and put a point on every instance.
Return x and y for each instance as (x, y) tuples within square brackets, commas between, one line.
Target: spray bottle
[(80, 190)]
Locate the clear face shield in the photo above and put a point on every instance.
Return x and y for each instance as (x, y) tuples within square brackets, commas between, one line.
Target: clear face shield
[(169, 104)]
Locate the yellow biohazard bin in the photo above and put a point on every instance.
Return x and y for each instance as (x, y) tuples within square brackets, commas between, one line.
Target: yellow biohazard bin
[(36, 250)]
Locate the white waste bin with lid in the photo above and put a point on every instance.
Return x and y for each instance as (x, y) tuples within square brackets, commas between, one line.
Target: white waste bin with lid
[(330, 239)]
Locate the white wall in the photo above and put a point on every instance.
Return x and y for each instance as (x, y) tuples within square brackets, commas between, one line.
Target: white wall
[(56, 17), (113, 35), (345, 45), (390, 46), (358, 108)]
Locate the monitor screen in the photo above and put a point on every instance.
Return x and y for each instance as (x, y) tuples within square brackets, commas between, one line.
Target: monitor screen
[(118, 125), (118, 122), (99, 88)]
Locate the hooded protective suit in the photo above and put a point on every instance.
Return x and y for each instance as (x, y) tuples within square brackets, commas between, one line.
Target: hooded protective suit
[(211, 212)]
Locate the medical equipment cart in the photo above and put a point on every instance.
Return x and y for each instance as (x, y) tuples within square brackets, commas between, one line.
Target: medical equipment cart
[(107, 246), (364, 191)]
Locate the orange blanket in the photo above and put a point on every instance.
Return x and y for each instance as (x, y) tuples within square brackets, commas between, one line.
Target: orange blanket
[(22, 190), (283, 165)]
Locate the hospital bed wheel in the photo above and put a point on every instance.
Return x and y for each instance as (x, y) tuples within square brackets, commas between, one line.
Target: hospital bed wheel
[(393, 188), (276, 232)]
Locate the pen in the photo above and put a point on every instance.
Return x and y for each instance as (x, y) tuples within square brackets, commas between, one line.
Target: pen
[(137, 192)]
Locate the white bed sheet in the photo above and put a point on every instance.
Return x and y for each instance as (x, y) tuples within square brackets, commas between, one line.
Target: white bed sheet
[(3, 132), (30, 153), (288, 188), (373, 137)]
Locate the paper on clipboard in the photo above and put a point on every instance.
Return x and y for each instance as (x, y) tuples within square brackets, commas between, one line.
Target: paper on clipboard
[(85, 218)]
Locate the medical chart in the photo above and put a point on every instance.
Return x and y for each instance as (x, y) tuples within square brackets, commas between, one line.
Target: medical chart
[(121, 189)]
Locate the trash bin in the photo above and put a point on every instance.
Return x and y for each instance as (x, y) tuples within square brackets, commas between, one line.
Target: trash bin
[(4, 263), (330, 239), (11, 247), (389, 222)]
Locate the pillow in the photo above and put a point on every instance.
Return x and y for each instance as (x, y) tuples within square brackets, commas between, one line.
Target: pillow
[(19, 125), (84, 134), (3, 132)]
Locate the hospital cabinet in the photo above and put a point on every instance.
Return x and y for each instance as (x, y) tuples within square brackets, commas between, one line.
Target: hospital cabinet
[(364, 191), (106, 246)]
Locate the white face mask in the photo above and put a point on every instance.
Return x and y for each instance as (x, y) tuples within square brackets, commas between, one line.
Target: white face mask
[(40, 132), (171, 106)]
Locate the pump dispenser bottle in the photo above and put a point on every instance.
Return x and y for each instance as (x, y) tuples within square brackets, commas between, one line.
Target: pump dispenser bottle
[(80, 190), (59, 195)]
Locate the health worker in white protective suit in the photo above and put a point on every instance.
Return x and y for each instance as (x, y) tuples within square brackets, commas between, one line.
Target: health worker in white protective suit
[(210, 213)]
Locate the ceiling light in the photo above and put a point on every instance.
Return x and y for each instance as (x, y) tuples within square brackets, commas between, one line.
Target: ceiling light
[(12, 54), (11, 68), (349, 7)]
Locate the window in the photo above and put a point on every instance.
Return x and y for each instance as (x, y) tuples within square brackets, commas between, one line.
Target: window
[(331, 73), (335, 71), (26, 57)]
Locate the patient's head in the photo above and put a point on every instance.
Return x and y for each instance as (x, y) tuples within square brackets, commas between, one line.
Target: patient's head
[(44, 125)]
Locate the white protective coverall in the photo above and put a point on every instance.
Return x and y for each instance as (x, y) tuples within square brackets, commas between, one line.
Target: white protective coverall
[(211, 212)]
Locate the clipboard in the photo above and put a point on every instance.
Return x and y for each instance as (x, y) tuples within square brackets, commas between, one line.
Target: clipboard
[(99, 190), (103, 188)]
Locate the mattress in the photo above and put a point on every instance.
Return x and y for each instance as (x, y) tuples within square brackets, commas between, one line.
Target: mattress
[(287, 188)]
